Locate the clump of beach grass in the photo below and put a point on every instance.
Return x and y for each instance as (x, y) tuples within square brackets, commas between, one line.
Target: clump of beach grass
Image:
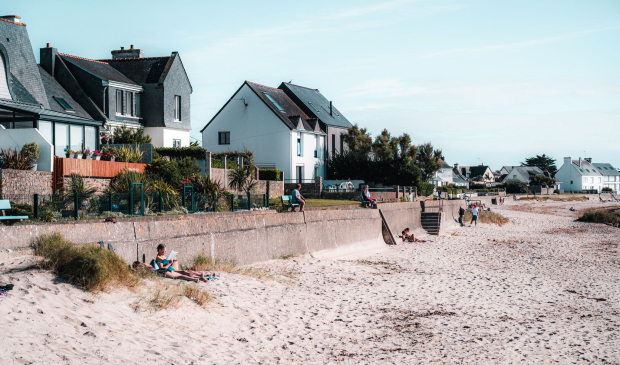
[(89, 267), (203, 263), (488, 218), (556, 199), (600, 216), (168, 295), (196, 294)]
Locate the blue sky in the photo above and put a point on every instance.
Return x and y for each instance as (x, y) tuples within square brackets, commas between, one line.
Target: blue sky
[(485, 81)]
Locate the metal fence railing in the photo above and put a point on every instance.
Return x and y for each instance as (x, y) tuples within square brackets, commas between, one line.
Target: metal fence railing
[(58, 207)]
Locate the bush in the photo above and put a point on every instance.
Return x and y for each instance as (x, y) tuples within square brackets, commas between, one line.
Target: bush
[(425, 188), (124, 135), (133, 154), (270, 174), (171, 172), (31, 151), (194, 152), (87, 266), (21, 209), (121, 183), (600, 216), (487, 217), (607, 189), (516, 187), (14, 160), (217, 163)]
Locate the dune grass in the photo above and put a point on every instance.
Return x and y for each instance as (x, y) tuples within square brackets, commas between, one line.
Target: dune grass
[(487, 217), (89, 267), (600, 216), (203, 263), (556, 199)]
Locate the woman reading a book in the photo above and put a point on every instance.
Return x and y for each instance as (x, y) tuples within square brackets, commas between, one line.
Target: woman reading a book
[(163, 262)]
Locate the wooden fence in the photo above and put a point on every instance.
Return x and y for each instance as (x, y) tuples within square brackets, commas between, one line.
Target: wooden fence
[(89, 168)]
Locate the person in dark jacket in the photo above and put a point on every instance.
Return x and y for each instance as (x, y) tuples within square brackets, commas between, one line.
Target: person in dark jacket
[(461, 216)]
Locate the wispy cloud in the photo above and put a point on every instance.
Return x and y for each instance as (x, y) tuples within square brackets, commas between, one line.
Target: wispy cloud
[(515, 45)]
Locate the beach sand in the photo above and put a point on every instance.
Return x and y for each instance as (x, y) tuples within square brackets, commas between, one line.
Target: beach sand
[(541, 289)]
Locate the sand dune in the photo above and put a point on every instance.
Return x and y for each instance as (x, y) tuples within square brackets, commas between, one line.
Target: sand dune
[(541, 289)]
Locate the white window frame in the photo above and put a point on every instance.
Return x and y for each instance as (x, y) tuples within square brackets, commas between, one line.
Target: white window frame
[(175, 142)]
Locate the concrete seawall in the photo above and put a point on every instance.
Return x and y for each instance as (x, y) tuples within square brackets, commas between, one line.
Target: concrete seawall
[(244, 237)]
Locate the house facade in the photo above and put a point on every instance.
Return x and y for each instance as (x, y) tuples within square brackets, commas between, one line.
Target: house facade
[(71, 99), (520, 173), (266, 122), (611, 176), (447, 176), (30, 98), (315, 105), (579, 175), (480, 173)]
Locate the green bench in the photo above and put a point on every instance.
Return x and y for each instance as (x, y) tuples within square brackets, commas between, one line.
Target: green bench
[(7, 219), (287, 202)]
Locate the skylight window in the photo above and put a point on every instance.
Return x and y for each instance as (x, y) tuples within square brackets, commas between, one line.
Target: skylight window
[(63, 103), (594, 170), (274, 102), (581, 170), (314, 107), (587, 170)]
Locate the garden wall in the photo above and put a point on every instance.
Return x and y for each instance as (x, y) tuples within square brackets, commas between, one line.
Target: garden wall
[(24, 182)]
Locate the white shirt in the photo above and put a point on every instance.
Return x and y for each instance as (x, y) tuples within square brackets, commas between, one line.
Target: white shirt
[(474, 211)]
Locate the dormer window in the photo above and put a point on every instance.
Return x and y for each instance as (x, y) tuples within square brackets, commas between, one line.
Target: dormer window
[(177, 108), (63, 103)]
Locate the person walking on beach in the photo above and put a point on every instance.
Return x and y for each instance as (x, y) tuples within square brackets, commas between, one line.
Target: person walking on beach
[(474, 216), (298, 198), (461, 216)]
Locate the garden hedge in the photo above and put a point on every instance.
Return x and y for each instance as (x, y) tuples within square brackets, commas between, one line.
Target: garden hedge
[(194, 152), (270, 174)]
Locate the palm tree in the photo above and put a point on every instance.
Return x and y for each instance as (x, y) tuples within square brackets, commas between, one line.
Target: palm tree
[(242, 178)]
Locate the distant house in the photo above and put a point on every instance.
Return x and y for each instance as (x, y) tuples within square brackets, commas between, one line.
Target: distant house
[(579, 175), (315, 105), (611, 176), (268, 123), (520, 173), (447, 176), (480, 173)]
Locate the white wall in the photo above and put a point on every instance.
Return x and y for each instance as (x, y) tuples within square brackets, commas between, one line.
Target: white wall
[(254, 128), (568, 173), (163, 137), (17, 138), (307, 159)]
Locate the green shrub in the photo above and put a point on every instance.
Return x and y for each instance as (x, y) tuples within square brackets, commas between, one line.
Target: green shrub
[(194, 152), (121, 183), (217, 163), (124, 135), (31, 151), (21, 209), (270, 174), (87, 266), (127, 153), (599, 216), (516, 187), (425, 188), (607, 189), (15, 160)]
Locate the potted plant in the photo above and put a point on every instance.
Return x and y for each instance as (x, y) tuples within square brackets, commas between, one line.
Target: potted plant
[(110, 156), (87, 154), (78, 154), (32, 153), (68, 153), (97, 155)]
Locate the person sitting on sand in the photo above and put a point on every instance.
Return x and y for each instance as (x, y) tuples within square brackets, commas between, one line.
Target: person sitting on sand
[(163, 262), (410, 237), (188, 275)]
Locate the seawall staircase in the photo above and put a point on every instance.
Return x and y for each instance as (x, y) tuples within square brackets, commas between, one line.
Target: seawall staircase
[(431, 222)]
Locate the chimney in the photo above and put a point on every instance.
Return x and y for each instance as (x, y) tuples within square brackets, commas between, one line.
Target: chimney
[(330, 108), (48, 59), (589, 159), (12, 18), (127, 53), (456, 166), (567, 160), (579, 161)]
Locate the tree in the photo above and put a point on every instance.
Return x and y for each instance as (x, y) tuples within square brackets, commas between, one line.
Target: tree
[(429, 160), (543, 162), (542, 180), (358, 141), (124, 135), (242, 178)]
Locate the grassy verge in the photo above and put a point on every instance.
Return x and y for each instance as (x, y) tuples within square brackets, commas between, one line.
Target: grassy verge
[(487, 217), (555, 199), (276, 203), (600, 216), (202, 263), (87, 266)]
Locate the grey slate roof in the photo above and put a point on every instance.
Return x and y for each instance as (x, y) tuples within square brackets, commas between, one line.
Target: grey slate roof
[(586, 169), (305, 96), (53, 88), (44, 114), (147, 70), (99, 69), (606, 169), (291, 110)]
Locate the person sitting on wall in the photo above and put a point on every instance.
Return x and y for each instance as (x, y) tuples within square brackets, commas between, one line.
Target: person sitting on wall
[(410, 237), (298, 198), (350, 186), (366, 196)]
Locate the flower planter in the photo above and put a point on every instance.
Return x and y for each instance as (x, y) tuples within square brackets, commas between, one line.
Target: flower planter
[(97, 158), (33, 167), (67, 155), (88, 157), (112, 159), (73, 155)]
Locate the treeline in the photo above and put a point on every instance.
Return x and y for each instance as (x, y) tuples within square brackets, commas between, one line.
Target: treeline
[(388, 160)]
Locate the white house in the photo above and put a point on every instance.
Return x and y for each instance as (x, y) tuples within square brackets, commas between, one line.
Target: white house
[(266, 122), (611, 176), (579, 175), (447, 176), (480, 173)]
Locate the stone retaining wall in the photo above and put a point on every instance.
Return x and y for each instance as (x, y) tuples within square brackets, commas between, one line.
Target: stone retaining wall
[(25, 182)]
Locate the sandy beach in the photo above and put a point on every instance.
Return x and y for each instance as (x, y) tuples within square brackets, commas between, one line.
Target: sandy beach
[(542, 289)]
